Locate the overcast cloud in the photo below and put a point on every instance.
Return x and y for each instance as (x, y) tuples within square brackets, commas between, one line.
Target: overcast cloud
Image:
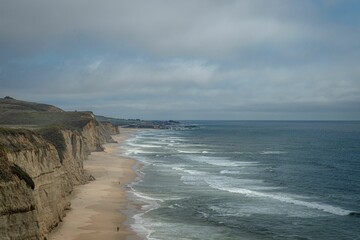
[(185, 59)]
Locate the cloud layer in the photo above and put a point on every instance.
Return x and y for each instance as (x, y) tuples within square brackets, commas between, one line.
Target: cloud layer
[(185, 59)]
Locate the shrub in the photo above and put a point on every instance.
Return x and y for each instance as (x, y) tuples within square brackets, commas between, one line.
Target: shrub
[(55, 137)]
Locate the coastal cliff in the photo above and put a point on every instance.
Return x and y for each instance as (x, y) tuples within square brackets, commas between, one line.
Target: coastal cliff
[(39, 166), (110, 128)]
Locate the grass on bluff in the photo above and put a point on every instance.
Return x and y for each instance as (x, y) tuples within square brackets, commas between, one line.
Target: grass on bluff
[(51, 134), (11, 104), (34, 120), (21, 114), (54, 136), (9, 146), (66, 120)]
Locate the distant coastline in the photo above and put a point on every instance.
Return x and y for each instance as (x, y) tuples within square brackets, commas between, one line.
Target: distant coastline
[(138, 123)]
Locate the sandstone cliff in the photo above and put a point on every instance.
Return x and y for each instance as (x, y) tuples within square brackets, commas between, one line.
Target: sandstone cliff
[(110, 128), (17, 205), (38, 169)]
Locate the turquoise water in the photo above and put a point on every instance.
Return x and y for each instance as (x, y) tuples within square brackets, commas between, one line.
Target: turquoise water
[(248, 180)]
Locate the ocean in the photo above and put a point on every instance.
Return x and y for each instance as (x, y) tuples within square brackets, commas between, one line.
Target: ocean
[(248, 180)]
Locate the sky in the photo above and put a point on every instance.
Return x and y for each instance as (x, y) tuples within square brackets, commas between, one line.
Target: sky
[(188, 59)]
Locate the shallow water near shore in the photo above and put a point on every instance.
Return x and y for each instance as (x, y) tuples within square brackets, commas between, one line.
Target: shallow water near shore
[(248, 180)]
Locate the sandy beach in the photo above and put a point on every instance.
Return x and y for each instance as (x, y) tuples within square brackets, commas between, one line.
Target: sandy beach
[(97, 207)]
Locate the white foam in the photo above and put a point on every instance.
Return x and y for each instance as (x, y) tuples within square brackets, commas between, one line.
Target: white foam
[(216, 161), (175, 139), (283, 198), (272, 152), (144, 197), (137, 151), (193, 145), (139, 225), (144, 145), (242, 163), (187, 151), (229, 172), (178, 168), (191, 177), (153, 200), (191, 172), (194, 180)]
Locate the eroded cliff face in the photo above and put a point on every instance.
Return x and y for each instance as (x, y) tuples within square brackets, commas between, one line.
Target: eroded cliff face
[(37, 177), (49, 198), (73, 156), (110, 128), (18, 218)]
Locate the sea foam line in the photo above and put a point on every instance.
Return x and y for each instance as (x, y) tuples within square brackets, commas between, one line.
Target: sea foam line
[(314, 205), (215, 161), (272, 152)]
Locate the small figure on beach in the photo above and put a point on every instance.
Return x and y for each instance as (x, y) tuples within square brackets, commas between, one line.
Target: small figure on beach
[(117, 229)]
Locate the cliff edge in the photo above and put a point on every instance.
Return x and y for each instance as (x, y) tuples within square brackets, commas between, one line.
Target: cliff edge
[(42, 149)]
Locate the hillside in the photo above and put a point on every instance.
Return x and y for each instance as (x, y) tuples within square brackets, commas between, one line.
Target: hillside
[(9, 104), (20, 114)]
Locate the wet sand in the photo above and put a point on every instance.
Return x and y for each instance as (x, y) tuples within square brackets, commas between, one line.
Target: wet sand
[(97, 208)]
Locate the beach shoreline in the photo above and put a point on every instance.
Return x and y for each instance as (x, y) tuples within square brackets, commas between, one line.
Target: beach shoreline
[(100, 208)]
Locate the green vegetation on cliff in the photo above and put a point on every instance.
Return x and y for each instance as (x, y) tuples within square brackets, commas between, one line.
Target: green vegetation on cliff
[(55, 137), (51, 134), (67, 120), (8, 146), (34, 120), (20, 114), (11, 104)]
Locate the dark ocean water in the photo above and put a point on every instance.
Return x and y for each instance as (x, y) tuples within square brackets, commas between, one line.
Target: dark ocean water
[(249, 180)]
